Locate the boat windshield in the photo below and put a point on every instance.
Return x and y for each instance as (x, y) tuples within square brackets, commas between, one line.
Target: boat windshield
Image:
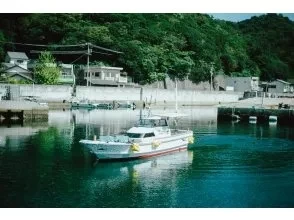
[(134, 135), (153, 122)]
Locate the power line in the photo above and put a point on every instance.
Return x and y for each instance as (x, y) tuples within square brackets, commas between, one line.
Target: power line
[(62, 52), (62, 46), (78, 58), (102, 48), (44, 45), (108, 54)]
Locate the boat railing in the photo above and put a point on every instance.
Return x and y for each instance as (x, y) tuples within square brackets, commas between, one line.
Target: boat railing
[(116, 138), (177, 131)]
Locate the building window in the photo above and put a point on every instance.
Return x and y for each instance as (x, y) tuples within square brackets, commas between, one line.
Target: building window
[(19, 61), (68, 73), (97, 74)]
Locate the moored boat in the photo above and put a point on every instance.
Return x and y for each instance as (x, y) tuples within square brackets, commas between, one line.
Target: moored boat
[(103, 105), (82, 104), (152, 136)]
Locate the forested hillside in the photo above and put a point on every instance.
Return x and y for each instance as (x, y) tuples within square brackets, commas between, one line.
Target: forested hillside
[(154, 45)]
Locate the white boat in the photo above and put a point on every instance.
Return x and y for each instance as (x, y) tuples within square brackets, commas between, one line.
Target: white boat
[(90, 105), (126, 105), (103, 105), (150, 137)]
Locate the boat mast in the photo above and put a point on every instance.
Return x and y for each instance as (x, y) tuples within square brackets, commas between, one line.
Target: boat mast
[(176, 93), (141, 101)]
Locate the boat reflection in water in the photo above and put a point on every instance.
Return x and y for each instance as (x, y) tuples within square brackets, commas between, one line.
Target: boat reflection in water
[(153, 182), (152, 169)]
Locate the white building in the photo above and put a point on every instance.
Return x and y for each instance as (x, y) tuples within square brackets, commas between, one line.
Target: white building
[(102, 75), (242, 84), (280, 86)]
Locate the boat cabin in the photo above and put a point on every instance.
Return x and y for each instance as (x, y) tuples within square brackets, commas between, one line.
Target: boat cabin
[(154, 121), (149, 128)]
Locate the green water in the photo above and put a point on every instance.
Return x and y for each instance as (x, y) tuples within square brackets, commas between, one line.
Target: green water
[(230, 165)]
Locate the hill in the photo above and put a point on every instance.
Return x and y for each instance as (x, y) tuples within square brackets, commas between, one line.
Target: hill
[(154, 45)]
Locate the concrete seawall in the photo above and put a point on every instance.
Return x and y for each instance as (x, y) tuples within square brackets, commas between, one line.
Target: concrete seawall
[(48, 93), (155, 96), (59, 93)]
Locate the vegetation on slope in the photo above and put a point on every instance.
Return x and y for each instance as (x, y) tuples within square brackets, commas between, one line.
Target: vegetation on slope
[(157, 45)]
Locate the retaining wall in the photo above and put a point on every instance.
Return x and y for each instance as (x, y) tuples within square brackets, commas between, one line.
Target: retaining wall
[(58, 93), (151, 95)]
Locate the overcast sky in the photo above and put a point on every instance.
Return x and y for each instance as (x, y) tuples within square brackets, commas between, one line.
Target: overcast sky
[(242, 16)]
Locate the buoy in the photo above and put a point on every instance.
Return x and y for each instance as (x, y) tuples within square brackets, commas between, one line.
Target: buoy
[(273, 118), (235, 117), (190, 140), (252, 119)]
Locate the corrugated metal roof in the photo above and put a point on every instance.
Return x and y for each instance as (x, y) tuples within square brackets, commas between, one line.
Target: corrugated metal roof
[(17, 55), (282, 81)]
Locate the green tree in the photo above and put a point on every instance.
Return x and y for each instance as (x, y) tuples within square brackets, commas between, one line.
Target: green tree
[(2, 39), (46, 70)]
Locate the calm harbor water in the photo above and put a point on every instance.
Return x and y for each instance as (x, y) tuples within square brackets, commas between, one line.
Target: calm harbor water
[(229, 165)]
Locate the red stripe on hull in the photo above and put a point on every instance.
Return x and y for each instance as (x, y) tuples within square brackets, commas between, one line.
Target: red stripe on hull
[(184, 147)]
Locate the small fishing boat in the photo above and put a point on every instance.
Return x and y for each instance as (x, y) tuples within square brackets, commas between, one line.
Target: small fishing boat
[(103, 105), (82, 104), (126, 105), (152, 136)]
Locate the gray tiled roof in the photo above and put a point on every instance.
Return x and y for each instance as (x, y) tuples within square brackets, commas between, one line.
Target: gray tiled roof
[(17, 55), (8, 65)]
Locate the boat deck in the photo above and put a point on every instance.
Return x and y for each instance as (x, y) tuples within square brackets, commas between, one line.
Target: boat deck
[(125, 138)]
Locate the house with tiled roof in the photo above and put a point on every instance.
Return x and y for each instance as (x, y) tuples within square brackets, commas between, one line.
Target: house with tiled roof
[(17, 58), (16, 67)]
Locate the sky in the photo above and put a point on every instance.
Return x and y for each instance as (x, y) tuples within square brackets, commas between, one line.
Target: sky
[(235, 17)]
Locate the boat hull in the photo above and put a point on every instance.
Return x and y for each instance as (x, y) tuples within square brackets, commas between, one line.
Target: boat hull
[(124, 151), (131, 156)]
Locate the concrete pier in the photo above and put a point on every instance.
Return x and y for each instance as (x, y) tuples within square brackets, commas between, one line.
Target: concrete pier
[(284, 116), (23, 111)]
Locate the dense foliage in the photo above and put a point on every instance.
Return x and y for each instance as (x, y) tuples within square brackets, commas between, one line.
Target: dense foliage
[(156, 45), (270, 44), (46, 70)]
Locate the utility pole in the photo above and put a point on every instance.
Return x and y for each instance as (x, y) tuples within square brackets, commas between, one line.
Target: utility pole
[(264, 93), (88, 60), (211, 73)]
